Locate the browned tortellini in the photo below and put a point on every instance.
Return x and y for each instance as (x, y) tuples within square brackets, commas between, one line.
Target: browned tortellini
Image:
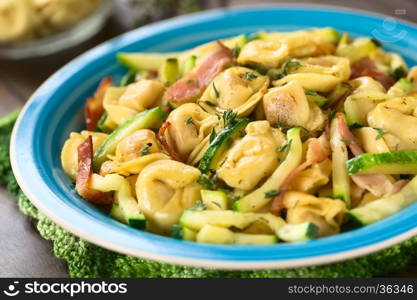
[(319, 74), (288, 105), (398, 118), (165, 189), (252, 158), (69, 153), (267, 53), (326, 213), (134, 153), (121, 103), (237, 88), (189, 126)]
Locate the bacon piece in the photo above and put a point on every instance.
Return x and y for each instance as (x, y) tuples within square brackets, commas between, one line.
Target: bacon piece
[(193, 84), (318, 150), (366, 67), (94, 105), (397, 186), (171, 152), (347, 135), (85, 171)]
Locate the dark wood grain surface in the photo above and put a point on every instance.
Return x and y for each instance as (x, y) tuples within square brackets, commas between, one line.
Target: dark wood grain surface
[(23, 252)]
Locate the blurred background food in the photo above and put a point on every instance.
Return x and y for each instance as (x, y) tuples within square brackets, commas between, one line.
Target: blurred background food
[(29, 19)]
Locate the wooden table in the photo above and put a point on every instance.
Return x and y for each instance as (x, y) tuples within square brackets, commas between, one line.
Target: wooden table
[(23, 252)]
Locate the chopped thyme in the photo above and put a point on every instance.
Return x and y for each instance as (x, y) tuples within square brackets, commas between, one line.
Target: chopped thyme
[(272, 193), (189, 121), (347, 142), (249, 76), (145, 150), (229, 116), (286, 146), (381, 133), (216, 92)]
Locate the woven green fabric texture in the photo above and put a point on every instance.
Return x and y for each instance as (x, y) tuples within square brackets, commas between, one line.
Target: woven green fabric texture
[(87, 260)]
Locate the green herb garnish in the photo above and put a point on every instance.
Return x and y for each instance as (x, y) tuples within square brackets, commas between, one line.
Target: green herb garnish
[(228, 117), (145, 150), (272, 193), (210, 183), (236, 51), (347, 142), (198, 206), (249, 76), (310, 93), (286, 146), (209, 103), (216, 92), (189, 121), (381, 133), (291, 66)]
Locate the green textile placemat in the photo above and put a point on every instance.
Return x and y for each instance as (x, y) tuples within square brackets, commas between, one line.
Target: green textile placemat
[(87, 260)]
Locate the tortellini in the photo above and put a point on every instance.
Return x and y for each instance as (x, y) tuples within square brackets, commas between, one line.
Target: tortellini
[(312, 178), (165, 189), (237, 88), (69, 153), (326, 213), (398, 118), (134, 153), (189, 126), (289, 105), (121, 103), (252, 158), (319, 74), (303, 43), (267, 53)]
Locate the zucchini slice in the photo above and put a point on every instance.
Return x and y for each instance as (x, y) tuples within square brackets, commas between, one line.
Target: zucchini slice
[(169, 71), (188, 64), (147, 119), (143, 61), (386, 206), (340, 178), (126, 207), (117, 213), (221, 143), (298, 232), (214, 200), (256, 199), (399, 162), (315, 97), (401, 88), (220, 235), (195, 220), (359, 48)]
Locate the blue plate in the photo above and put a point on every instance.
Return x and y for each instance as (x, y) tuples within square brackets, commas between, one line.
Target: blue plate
[(55, 110)]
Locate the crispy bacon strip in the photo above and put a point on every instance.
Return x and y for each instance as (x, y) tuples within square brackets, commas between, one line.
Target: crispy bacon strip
[(366, 67), (318, 150), (171, 152), (193, 84), (85, 171), (94, 105)]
